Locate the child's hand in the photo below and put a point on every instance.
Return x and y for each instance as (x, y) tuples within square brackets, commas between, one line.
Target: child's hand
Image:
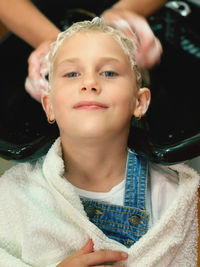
[(85, 257)]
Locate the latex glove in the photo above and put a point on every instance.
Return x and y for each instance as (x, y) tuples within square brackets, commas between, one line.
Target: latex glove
[(136, 27), (36, 83)]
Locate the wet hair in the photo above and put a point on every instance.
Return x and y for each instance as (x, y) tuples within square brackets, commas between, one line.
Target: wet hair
[(98, 25)]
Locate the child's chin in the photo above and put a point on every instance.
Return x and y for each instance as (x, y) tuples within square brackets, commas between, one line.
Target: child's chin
[(95, 133), (92, 132)]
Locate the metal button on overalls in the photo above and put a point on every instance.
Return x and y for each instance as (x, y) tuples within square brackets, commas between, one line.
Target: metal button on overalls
[(134, 219), (91, 211)]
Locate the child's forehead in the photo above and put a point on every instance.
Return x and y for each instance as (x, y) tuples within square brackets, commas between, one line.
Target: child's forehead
[(90, 40), (87, 36)]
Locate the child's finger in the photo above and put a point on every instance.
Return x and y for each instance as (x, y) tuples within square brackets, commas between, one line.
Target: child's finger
[(88, 248), (103, 256)]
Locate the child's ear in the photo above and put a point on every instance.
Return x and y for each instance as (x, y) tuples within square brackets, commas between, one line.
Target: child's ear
[(142, 102), (47, 106)]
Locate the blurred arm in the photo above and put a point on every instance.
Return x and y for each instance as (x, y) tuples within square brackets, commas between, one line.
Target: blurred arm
[(26, 21), (142, 7)]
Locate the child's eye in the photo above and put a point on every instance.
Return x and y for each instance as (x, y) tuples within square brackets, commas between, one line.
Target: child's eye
[(109, 73), (71, 74)]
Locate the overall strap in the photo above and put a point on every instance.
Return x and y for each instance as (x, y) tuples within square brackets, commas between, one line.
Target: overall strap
[(136, 181)]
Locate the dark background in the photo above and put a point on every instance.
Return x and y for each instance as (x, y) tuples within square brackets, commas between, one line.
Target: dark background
[(169, 133)]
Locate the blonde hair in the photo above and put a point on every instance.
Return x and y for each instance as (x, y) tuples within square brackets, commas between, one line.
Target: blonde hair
[(96, 24)]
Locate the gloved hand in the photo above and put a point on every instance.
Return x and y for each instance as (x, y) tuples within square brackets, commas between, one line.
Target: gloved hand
[(36, 82), (136, 27)]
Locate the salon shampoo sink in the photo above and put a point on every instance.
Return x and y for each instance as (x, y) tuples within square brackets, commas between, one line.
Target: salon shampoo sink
[(170, 131)]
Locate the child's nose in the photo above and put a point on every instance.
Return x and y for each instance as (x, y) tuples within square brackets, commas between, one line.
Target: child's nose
[(92, 89), (90, 84)]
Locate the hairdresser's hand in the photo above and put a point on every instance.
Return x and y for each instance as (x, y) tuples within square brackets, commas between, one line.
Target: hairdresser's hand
[(138, 30), (85, 257), (36, 83)]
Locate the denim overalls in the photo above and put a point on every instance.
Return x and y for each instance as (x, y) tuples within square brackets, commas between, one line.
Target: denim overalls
[(125, 224)]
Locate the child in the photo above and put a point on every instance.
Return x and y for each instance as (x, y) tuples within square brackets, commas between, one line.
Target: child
[(91, 200)]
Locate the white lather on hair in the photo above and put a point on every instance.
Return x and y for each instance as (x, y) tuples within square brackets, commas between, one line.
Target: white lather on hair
[(96, 24)]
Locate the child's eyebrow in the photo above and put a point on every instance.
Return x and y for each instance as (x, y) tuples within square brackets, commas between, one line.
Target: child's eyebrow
[(109, 59), (101, 60)]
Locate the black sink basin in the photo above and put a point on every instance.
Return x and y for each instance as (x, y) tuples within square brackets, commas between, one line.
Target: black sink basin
[(170, 131)]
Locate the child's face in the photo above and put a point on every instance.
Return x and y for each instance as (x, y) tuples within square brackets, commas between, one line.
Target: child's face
[(93, 87)]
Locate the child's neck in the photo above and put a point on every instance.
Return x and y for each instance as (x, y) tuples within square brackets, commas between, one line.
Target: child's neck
[(95, 168)]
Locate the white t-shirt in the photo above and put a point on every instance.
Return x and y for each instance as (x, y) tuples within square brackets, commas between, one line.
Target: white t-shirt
[(114, 196), (157, 187)]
